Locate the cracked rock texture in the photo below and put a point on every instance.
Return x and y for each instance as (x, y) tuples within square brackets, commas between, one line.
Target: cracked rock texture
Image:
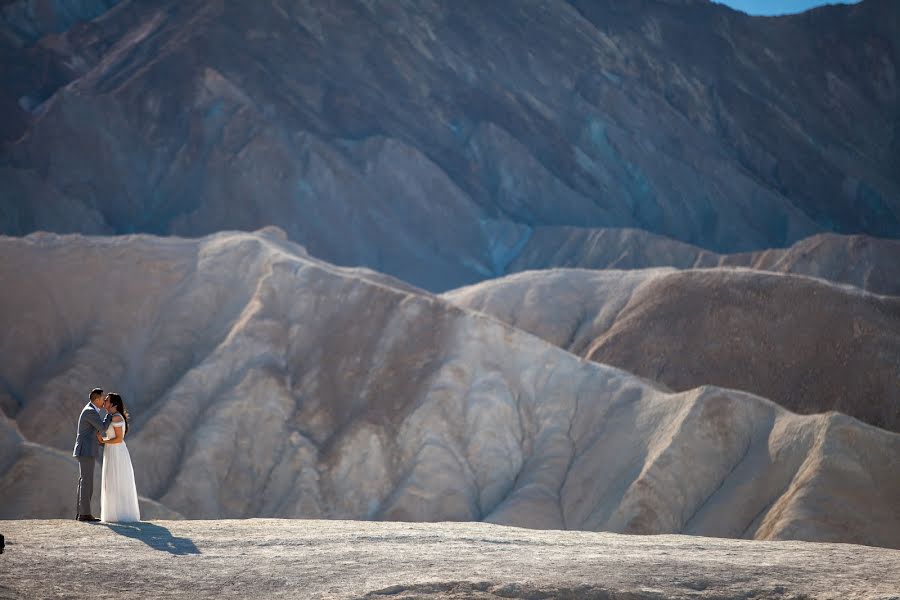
[(263, 382), (343, 559), (805, 343), (428, 140)]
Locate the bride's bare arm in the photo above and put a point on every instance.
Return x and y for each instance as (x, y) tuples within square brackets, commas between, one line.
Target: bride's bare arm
[(120, 432)]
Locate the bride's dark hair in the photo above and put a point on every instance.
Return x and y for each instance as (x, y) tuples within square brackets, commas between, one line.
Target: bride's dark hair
[(116, 400)]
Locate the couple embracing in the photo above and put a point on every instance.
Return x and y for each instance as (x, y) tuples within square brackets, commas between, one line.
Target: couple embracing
[(118, 497)]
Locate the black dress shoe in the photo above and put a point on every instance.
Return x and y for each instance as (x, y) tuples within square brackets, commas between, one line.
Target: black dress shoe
[(88, 518)]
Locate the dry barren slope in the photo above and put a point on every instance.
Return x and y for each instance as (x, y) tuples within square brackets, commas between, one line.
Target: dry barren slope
[(866, 262), (805, 343), (342, 559), (265, 383), (426, 140)]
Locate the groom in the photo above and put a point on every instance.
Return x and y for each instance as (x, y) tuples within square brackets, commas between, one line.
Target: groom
[(89, 425)]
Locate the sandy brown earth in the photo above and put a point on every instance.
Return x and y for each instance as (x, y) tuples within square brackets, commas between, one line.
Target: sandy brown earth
[(262, 558)]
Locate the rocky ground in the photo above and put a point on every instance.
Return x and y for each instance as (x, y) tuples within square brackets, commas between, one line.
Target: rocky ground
[(260, 558)]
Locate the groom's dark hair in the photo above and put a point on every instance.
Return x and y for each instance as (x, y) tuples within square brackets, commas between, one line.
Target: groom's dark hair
[(96, 392)]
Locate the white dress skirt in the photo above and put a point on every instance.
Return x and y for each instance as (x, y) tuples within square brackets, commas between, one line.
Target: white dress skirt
[(118, 498)]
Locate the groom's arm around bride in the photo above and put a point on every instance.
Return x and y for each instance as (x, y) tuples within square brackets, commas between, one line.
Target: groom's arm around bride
[(90, 428)]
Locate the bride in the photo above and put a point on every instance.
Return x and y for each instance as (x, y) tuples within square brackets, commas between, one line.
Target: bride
[(118, 498)]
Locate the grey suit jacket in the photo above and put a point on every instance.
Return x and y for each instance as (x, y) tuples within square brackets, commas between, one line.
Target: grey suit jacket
[(89, 423)]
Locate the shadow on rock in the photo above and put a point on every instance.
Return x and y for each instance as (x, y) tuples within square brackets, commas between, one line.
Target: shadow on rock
[(489, 591), (155, 536)]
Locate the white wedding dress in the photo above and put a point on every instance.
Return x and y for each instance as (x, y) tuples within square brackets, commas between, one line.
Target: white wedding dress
[(118, 498)]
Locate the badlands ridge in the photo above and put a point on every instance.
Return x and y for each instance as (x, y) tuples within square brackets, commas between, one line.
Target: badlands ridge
[(265, 383)]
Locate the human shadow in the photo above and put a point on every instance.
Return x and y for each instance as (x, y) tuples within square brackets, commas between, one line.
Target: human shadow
[(155, 536)]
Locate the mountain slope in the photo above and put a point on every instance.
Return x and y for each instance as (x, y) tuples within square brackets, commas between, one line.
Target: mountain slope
[(809, 345), (430, 146), (263, 382), (869, 263)]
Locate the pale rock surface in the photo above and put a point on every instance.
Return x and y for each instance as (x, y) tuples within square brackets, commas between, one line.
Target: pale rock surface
[(264, 383), (866, 262), (343, 559), (807, 344)]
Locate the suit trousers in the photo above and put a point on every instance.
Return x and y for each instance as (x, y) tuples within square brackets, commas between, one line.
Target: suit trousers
[(85, 483)]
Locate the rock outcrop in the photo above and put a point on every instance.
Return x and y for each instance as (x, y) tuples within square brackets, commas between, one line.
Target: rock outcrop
[(263, 382), (426, 140), (807, 344)]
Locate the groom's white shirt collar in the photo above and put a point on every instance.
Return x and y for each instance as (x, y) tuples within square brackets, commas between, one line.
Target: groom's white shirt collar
[(91, 404)]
